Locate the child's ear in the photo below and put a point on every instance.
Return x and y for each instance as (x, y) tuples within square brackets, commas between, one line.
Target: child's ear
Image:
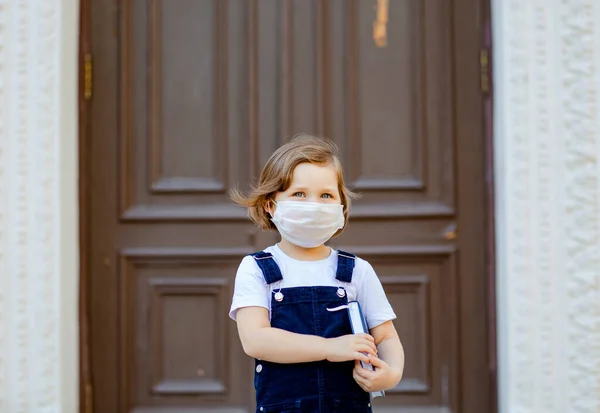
[(268, 207)]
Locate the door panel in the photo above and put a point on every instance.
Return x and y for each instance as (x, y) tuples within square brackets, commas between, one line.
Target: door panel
[(396, 133), (175, 334), (396, 104), (178, 102), (191, 98)]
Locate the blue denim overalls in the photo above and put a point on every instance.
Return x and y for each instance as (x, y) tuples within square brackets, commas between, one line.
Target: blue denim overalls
[(323, 386)]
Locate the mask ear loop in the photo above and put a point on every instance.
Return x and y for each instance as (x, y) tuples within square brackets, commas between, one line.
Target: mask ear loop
[(272, 204)]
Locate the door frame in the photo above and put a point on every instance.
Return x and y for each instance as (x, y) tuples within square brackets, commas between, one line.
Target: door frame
[(83, 77), (487, 68), (84, 105)]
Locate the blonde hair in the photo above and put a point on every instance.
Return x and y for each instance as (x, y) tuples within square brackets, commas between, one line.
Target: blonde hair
[(277, 173)]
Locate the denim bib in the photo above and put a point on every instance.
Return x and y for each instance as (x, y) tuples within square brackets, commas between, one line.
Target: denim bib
[(323, 386)]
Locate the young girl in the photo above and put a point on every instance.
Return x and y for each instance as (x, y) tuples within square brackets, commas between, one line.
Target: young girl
[(307, 359)]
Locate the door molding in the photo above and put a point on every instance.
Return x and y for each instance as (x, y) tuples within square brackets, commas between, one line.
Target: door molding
[(490, 230), (85, 380)]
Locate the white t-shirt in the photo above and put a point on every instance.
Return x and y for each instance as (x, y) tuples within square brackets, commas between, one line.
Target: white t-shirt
[(251, 289)]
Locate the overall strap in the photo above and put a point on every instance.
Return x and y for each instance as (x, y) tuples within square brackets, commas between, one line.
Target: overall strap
[(268, 266), (345, 266)]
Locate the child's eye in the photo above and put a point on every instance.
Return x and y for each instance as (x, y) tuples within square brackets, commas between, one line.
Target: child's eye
[(298, 194), (328, 196)]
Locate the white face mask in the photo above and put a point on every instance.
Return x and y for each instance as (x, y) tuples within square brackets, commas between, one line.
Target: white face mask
[(308, 224)]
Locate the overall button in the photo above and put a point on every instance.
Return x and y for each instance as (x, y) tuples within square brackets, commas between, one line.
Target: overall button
[(261, 409), (259, 368)]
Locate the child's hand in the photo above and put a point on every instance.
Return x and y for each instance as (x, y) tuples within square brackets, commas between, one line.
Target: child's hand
[(350, 347), (383, 378)]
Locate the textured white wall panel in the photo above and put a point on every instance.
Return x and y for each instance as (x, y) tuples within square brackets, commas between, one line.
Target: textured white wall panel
[(547, 154), (38, 206)]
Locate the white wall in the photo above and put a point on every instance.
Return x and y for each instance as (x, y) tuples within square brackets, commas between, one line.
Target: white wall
[(38, 206), (547, 144)]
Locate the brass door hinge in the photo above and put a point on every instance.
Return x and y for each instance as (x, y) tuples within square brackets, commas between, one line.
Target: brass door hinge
[(89, 398), (88, 73), (484, 66)]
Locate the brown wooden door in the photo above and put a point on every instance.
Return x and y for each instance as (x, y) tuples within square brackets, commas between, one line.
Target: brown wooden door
[(191, 97)]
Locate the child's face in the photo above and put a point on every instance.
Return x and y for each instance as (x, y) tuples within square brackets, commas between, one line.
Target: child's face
[(312, 183)]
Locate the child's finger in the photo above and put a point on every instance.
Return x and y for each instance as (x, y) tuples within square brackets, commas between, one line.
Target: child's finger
[(376, 361), (361, 357), (364, 373), (363, 383), (367, 336), (371, 345), (366, 349)]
